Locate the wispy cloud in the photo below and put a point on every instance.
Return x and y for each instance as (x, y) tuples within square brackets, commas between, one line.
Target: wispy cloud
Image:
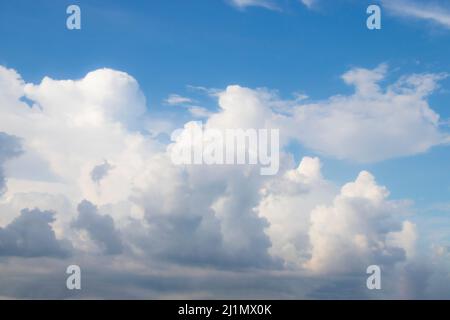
[(242, 4), (175, 99), (437, 13), (267, 4), (309, 3), (199, 112)]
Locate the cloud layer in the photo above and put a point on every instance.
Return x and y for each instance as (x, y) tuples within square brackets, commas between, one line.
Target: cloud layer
[(146, 218)]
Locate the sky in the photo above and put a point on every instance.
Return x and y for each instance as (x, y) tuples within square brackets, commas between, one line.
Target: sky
[(86, 118)]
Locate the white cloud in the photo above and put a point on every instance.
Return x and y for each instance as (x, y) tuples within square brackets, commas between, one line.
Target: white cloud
[(373, 124), (175, 100), (268, 4), (74, 126), (154, 202), (433, 12), (287, 204), (199, 112), (242, 107), (315, 226), (406, 239), (227, 217), (353, 232), (309, 3)]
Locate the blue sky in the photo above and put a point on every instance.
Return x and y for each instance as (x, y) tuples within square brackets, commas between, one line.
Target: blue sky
[(168, 45), (171, 46)]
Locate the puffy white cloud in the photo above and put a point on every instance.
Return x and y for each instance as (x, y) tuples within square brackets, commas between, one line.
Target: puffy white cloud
[(287, 204), (373, 124), (406, 238), (312, 225), (101, 96), (75, 125), (353, 232), (242, 108)]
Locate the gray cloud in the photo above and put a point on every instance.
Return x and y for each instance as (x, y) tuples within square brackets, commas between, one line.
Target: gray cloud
[(209, 222), (31, 235), (101, 171), (101, 228), (9, 147), (115, 278)]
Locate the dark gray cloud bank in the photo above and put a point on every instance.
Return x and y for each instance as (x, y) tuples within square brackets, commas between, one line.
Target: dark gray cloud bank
[(31, 235)]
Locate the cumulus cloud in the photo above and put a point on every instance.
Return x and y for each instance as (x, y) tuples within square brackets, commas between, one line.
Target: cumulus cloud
[(73, 126), (31, 235), (200, 215), (100, 228), (373, 124), (315, 226), (287, 204), (226, 218), (353, 232)]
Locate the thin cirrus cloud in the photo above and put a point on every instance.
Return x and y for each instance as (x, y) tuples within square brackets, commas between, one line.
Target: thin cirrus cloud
[(309, 3), (268, 4), (242, 4), (176, 99), (428, 11), (435, 12)]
